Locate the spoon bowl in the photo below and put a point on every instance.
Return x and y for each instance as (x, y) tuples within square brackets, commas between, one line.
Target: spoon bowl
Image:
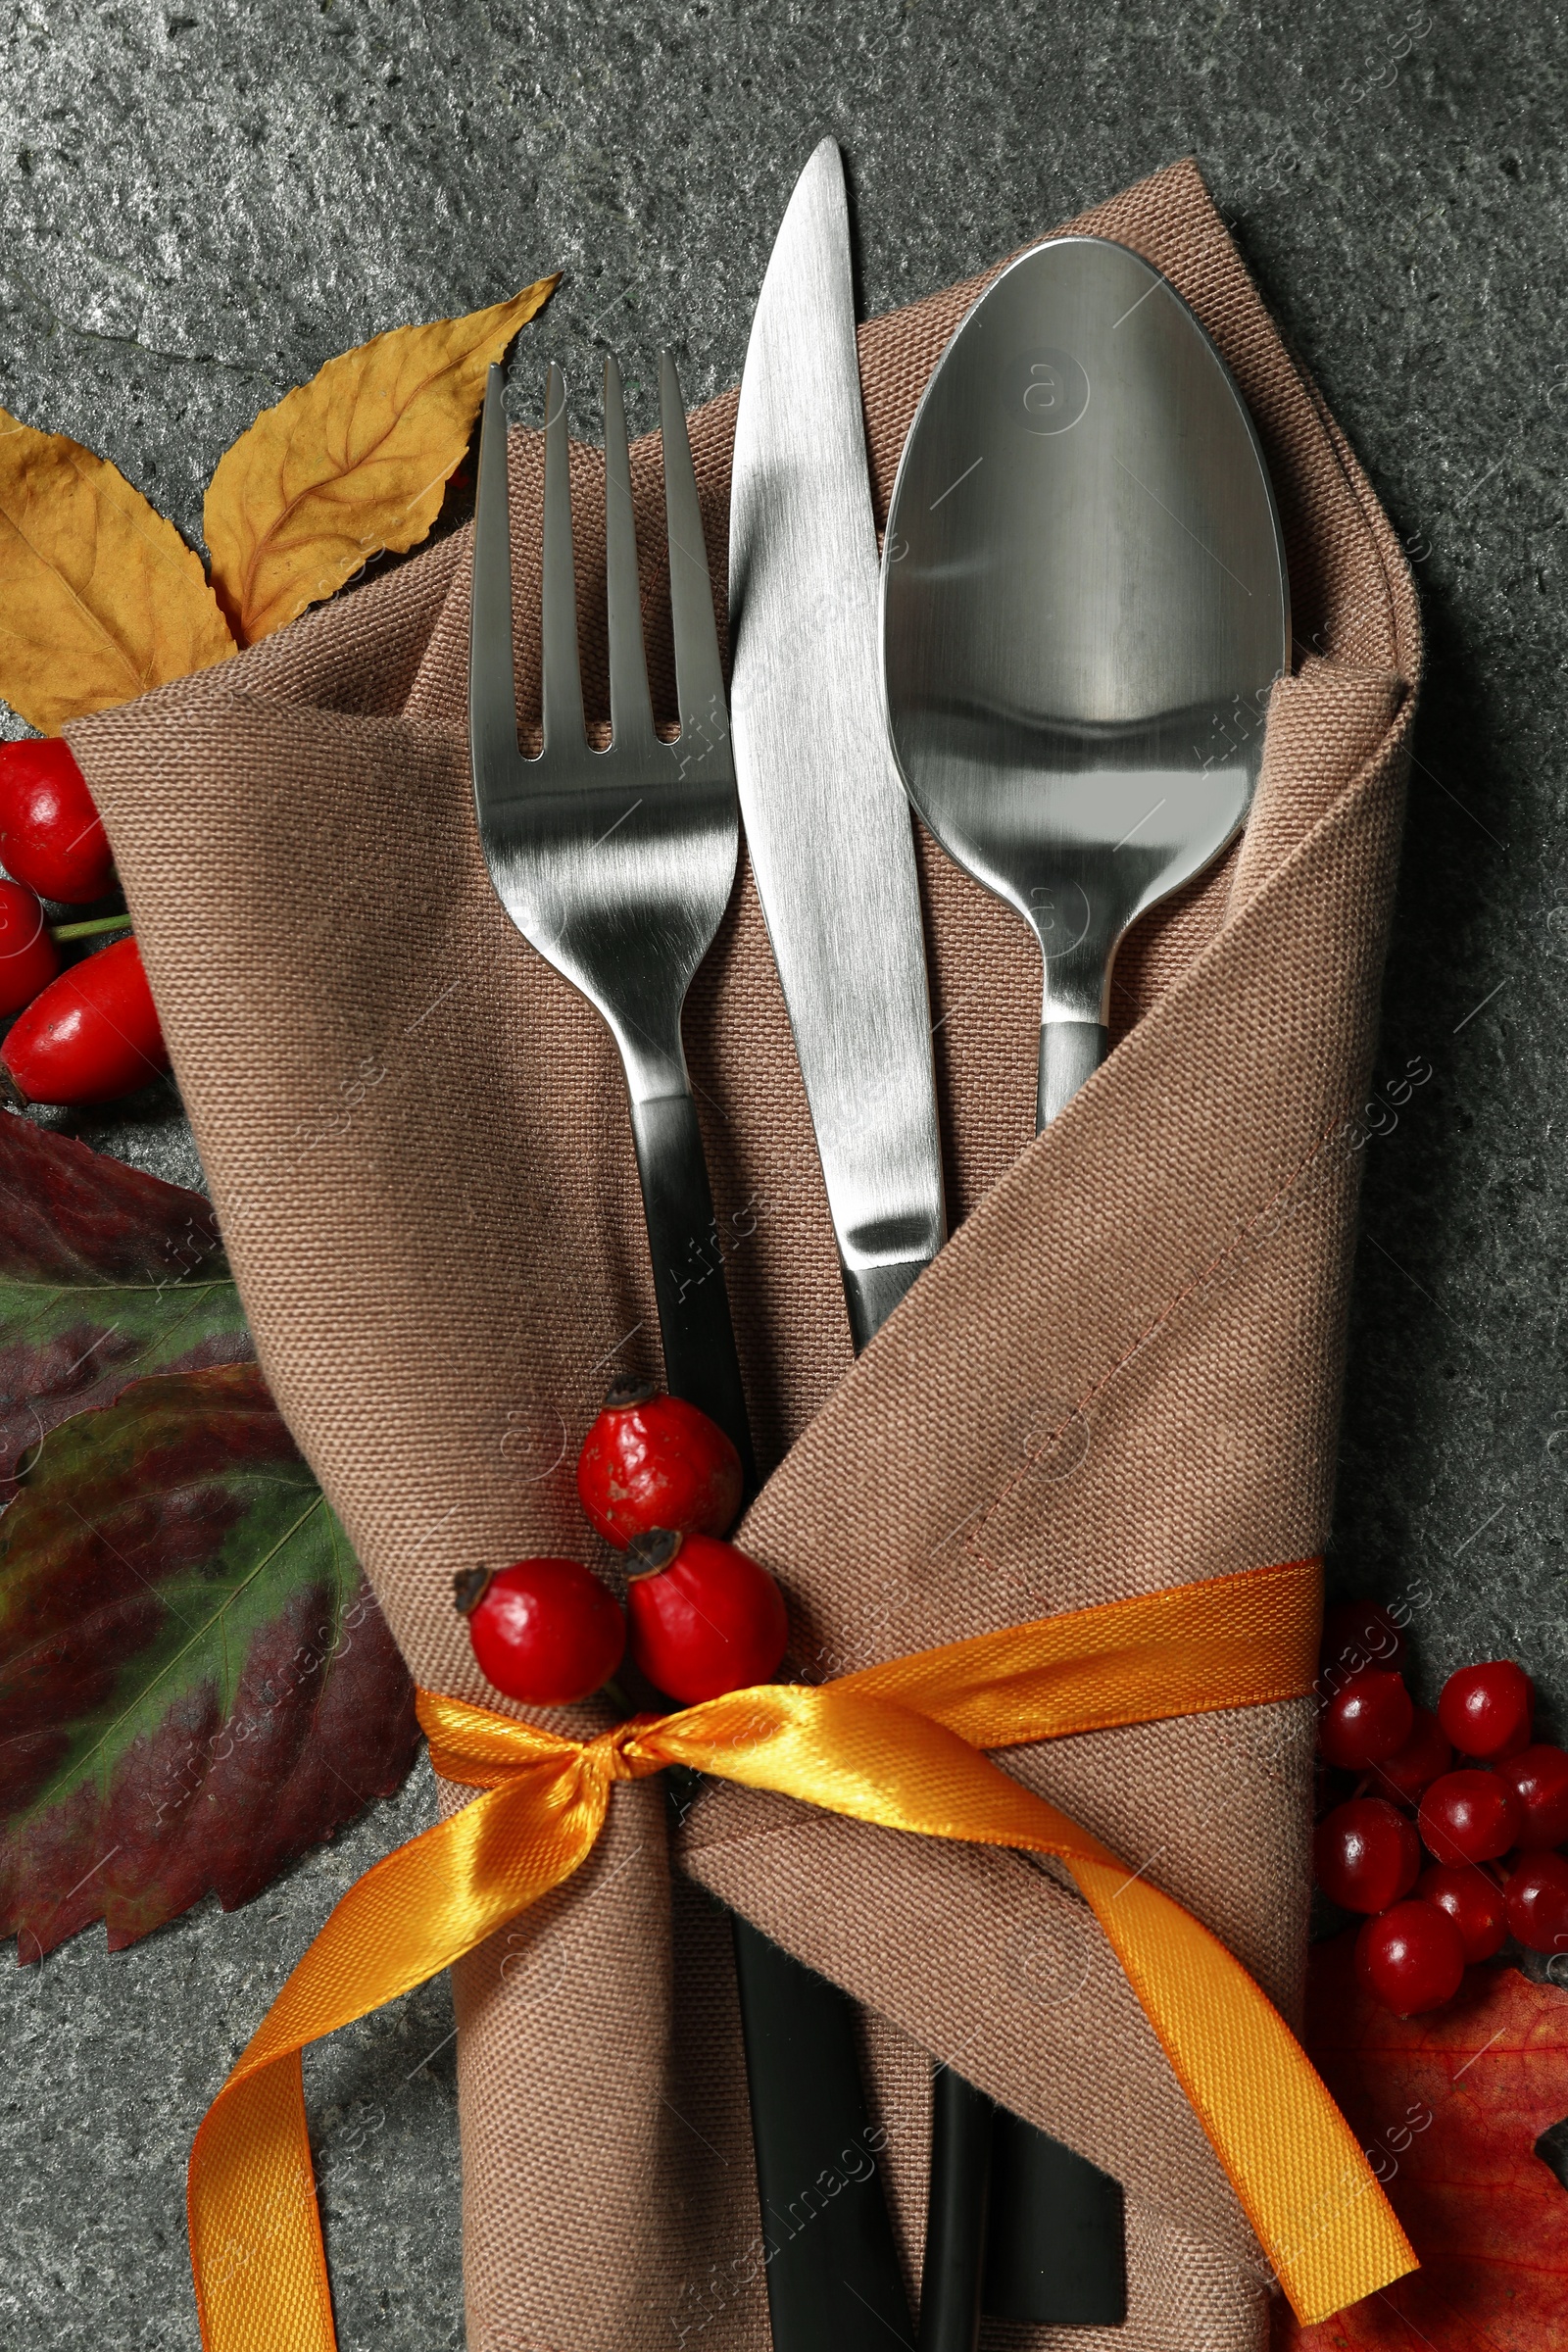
[(1084, 609)]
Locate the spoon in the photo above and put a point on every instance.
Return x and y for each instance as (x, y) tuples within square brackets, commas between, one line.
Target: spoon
[(1084, 609)]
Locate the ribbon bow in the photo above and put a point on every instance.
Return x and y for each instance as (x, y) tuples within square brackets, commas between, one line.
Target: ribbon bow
[(902, 1746)]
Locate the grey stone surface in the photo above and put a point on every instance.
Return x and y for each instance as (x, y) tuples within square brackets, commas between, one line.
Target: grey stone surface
[(201, 202), (110, 2064)]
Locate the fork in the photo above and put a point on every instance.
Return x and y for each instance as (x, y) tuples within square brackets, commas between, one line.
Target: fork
[(617, 865)]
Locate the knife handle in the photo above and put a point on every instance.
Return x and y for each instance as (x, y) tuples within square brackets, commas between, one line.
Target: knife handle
[(871, 1292), (834, 2283)]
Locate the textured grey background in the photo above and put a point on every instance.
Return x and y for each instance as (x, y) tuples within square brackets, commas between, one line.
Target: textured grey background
[(200, 204)]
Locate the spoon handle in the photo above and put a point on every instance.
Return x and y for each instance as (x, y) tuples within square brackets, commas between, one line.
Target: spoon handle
[(1057, 2236), (1069, 1053), (1015, 2221), (958, 2194)]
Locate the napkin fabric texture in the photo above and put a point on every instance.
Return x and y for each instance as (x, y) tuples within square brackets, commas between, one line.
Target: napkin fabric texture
[(1123, 1373)]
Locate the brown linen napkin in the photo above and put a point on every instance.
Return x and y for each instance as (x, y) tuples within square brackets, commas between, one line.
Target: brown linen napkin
[(1123, 1373)]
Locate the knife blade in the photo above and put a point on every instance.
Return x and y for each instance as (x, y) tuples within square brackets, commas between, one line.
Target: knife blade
[(827, 820), (828, 830)]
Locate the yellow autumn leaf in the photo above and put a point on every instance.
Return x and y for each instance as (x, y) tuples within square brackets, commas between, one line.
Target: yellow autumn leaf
[(351, 464), (100, 598)]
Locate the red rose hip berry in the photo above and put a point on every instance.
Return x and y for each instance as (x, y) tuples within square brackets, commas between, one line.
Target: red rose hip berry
[(544, 1631), (1538, 1903), (92, 1036), (1367, 1718), (1470, 1817), (29, 957), (704, 1618), (1472, 1900), (1538, 1779), (51, 836), (650, 1461), (1487, 1710), (1411, 1958), (1416, 1765), (1365, 1854)]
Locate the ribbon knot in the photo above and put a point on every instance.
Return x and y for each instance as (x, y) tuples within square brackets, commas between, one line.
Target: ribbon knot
[(620, 1753), (904, 1745)]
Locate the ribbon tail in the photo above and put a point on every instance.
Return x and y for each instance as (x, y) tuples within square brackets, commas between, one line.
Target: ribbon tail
[(255, 2245), (1302, 2177), (256, 2248)]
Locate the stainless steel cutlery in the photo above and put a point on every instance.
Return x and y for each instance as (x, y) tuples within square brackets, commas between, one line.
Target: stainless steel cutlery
[(1085, 606), (827, 823), (617, 864), (617, 867), (1084, 613), (1064, 656), (828, 830)]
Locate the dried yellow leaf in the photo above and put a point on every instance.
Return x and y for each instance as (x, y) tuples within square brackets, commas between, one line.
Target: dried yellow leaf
[(100, 598), (351, 464)]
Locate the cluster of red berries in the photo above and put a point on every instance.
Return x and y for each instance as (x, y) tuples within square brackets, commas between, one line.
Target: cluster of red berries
[(88, 1033), (661, 1483), (1490, 1826)]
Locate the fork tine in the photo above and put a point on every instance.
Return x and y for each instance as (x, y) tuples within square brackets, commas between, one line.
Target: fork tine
[(631, 713), (561, 679), (700, 681), (492, 693)]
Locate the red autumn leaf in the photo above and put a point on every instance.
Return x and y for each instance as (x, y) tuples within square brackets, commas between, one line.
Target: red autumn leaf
[(1449, 2107), (195, 1683), (105, 1276)]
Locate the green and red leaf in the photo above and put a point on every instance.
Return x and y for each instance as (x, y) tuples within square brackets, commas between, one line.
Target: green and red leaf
[(105, 1275), (195, 1681)]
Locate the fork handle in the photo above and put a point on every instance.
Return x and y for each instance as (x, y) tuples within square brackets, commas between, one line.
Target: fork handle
[(694, 1319), (833, 2278)]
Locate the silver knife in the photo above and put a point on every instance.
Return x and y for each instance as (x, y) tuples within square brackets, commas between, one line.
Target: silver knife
[(828, 830), (827, 819)]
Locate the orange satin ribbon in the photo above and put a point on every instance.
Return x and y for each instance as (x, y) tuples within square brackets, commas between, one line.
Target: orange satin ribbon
[(902, 1746)]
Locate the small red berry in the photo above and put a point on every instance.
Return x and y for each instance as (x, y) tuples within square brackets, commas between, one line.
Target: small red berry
[(705, 1619), (651, 1460), (1538, 1779), (1365, 1854), (92, 1036), (1411, 1958), (1358, 1634), (29, 957), (1470, 1817), (544, 1631), (1414, 1766), (1487, 1710), (51, 836), (1538, 1903), (1368, 1717), (1472, 1900)]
